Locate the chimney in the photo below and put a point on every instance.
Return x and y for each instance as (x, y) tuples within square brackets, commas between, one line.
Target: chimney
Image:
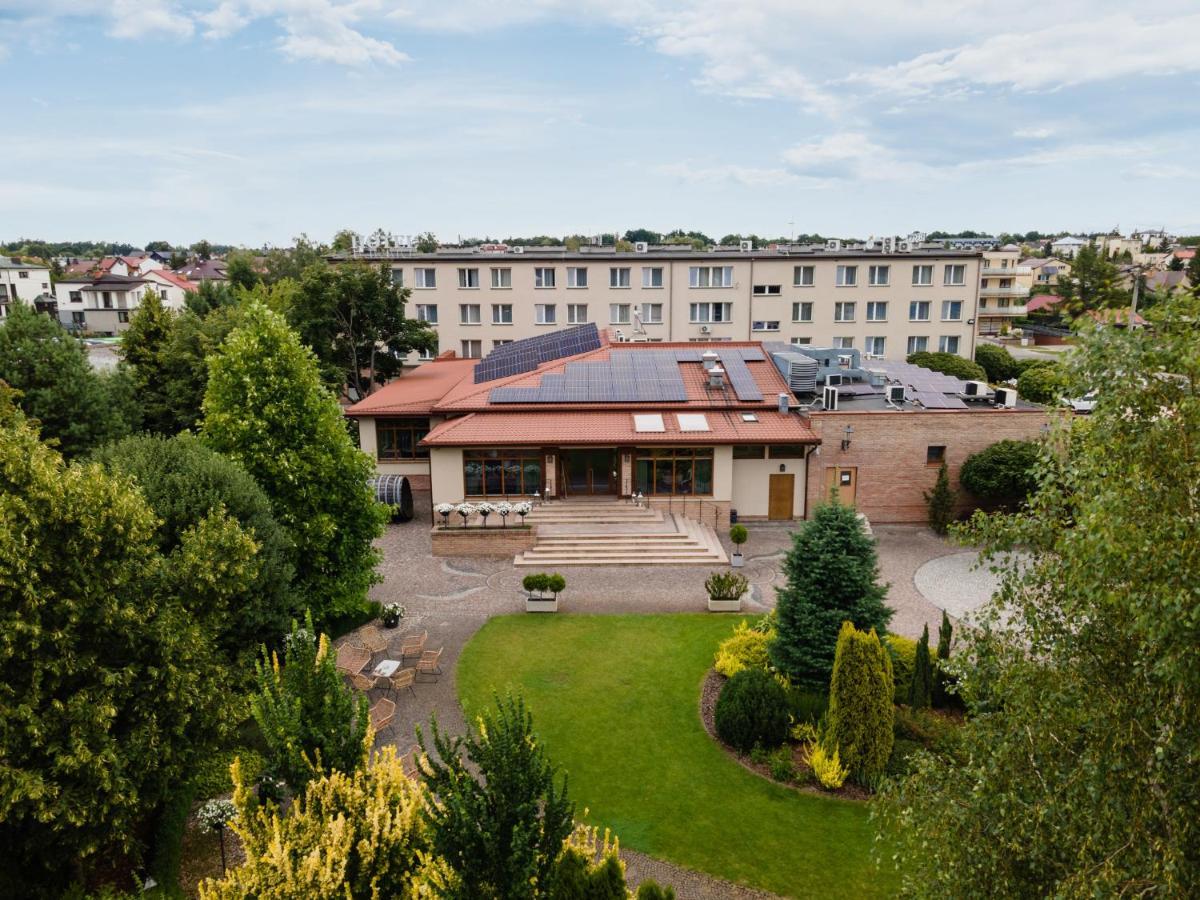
[(709, 359), (716, 378), (784, 403)]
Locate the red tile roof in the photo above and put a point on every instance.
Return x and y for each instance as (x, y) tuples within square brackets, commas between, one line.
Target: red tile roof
[(1185, 253), (607, 427), (1041, 301), (417, 392), (175, 279)]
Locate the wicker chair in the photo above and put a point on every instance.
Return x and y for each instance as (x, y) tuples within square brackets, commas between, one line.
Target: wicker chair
[(382, 714), (401, 680), (363, 682), (409, 764), (430, 663), (372, 639), (413, 645)]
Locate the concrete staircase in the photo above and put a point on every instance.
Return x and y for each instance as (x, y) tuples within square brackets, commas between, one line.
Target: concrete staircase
[(613, 533)]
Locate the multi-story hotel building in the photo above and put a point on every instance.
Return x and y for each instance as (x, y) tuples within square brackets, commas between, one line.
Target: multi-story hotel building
[(885, 304)]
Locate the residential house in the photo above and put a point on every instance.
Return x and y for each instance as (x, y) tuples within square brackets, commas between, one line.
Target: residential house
[(1047, 271), (100, 304), (1067, 246), (204, 270), (172, 287), (28, 282)]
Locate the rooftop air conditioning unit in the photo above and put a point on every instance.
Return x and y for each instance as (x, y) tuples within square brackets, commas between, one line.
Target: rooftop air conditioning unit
[(516, 249), (704, 329), (833, 244), (641, 247), (829, 398), (1006, 397), (835, 379), (845, 360), (895, 394), (904, 246), (975, 389), (747, 246)]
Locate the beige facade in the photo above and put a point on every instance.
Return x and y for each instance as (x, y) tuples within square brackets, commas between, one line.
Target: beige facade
[(1003, 289), (21, 281), (886, 304)]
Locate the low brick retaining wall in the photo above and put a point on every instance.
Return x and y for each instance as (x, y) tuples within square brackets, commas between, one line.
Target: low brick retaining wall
[(492, 541)]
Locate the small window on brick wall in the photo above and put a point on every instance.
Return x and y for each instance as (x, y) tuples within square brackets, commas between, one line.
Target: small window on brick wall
[(935, 455)]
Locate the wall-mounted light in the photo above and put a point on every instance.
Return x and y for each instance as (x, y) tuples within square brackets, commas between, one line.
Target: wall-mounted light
[(782, 467), (849, 432)]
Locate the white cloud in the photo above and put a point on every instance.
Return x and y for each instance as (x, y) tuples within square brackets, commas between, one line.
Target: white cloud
[(1035, 134), (851, 156), (746, 176), (138, 18)]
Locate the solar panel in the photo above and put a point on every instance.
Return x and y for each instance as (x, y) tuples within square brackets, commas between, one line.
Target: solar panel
[(526, 355), (741, 380), (937, 401)]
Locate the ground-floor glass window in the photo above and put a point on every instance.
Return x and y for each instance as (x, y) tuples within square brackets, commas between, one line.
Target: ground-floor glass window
[(675, 470), (398, 438), (501, 473)]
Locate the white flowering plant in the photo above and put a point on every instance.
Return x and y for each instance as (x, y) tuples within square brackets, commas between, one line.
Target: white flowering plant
[(392, 614), (444, 510), (523, 509), (216, 814), (503, 510), (466, 510), (484, 509)]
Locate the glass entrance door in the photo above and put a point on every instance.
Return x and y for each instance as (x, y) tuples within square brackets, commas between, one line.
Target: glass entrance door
[(591, 471)]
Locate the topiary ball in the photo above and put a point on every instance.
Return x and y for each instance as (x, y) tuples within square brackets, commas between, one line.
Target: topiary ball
[(752, 709)]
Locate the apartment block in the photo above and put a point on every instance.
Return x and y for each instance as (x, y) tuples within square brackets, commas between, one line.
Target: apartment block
[(1004, 289), (886, 304)]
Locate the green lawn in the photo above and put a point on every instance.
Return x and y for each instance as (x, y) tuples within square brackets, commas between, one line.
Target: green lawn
[(615, 699)]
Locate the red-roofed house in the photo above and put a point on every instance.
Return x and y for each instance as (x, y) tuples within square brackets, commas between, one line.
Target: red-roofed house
[(172, 287)]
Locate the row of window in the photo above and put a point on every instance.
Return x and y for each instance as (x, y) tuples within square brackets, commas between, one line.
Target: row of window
[(953, 274), (877, 345), (698, 313)]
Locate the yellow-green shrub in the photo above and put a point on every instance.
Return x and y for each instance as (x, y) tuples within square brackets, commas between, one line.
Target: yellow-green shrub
[(827, 767), (904, 657), (746, 648)]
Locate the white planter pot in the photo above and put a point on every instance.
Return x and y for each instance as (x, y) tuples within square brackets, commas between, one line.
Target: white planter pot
[(737, 560), (541, 604), (724, 605)]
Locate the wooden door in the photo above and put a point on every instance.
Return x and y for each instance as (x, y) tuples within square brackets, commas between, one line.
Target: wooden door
[(781, 500), (845, 479)]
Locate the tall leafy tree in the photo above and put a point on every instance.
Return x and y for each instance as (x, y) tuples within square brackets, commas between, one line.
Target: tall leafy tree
[(144, 349), (75, 407), (1094, 283), (194, 339), (1077, 770), (352, 316), (241, 271), (832, 577), (265, 407), (109, 689), (498, 818), (291, 262)]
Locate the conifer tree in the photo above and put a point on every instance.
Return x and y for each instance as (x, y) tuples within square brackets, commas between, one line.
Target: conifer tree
[(941, 502), (940, 676), (861, 713), (920, 692), (144, 348), (832, 577)]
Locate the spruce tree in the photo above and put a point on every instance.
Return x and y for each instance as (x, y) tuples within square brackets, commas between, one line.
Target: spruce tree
[(940, 676), (832, 577), (861, 713), (144, 348), (941, 502), (920, 693)]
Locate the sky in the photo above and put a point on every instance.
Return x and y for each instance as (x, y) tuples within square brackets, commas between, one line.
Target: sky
[(252, 121)]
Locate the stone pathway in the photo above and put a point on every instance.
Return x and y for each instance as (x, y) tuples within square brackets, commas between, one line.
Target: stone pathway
[(958, 584), (454, 598)]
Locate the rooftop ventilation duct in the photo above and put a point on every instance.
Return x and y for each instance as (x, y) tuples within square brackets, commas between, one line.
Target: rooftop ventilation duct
[(716, 378), (798, 370), (709, 359), (784, 403)]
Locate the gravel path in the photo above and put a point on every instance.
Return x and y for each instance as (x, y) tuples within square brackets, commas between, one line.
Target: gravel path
[(453, 598), (958, 584)]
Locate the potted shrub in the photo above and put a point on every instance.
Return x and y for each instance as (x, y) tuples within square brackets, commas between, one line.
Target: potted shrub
[(392, 614), (523, 509), (484, 509), (537, 586), (444, 510), (503, 509), (725, 590), (466, 510), (738, 534)]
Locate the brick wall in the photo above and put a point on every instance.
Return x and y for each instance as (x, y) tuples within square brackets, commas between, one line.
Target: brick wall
[(889, 447), (492, 541)]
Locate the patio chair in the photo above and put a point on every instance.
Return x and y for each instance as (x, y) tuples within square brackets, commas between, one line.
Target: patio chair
[(409, 764), (401, 680), (363, 682), (351, 658), (413, 645), (382, 714), (372, 639), (429, 663)]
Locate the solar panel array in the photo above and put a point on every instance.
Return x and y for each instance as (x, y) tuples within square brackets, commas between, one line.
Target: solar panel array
[(936, 400), (632, 376), (526, 355), (918, 378)]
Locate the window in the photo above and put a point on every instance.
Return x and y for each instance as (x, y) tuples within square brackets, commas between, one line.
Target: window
[(674, 470), (951, 310), (652, 276), (106, 297), (879, 275), (710, 276), (918, 344), (711, 312), (876, 346), (765, 326), (162, 292), (77, 318), (543, 278), (918, 311), (958, 274), (426, 278), (801, 341), (398, 277), (877, 311), (749, 451), (922, 275), (122, 315), (501, 313), (501, 473), (468, 278), (843, 312), (935, 455), (768, 290), (75, 296), (398, 438), (618, 313), (843, 343), (576, 313), (618, 277), (652, 313), (787, 451), (501, 279), (468, 313), (472, 349), (22, 274), (803, 276), (427, 312), (802, 312), (544, 313), (501, 342), (576, 277), (948, 343), (847, 276)]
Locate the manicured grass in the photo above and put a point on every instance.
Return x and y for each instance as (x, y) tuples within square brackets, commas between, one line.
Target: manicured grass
[(615, 699)]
